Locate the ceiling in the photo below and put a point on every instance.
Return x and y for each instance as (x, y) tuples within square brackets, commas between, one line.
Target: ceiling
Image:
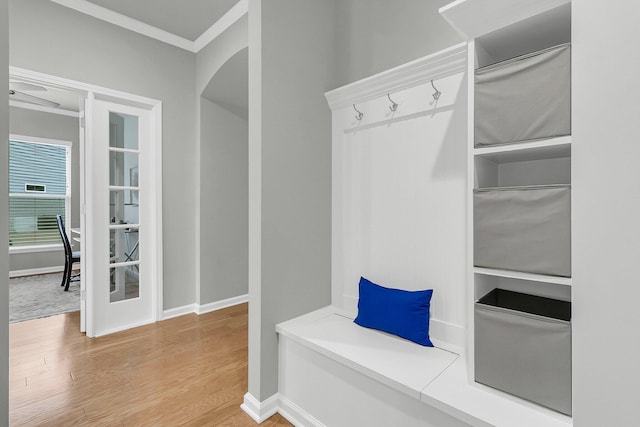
[(185, 18)]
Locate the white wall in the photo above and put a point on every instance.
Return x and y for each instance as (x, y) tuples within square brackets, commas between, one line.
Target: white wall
[(606, 208), (53, 39), (53, 126), (399, 182), (224, 204), (4, 217)]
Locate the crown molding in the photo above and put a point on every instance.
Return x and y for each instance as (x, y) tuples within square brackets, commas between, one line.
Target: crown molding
[(227, 20), (440, 64), (238, 10), (128, 23)]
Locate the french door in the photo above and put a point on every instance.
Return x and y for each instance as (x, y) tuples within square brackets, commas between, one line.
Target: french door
[(119, 220)]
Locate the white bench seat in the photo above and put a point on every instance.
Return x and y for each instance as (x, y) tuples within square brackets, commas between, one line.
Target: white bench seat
[(435, 377), (393, 361)]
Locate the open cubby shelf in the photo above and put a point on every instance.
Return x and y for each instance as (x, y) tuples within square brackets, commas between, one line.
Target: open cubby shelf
[(556, 280), (534, 162)]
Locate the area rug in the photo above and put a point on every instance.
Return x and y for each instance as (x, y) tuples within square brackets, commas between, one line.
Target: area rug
[(32, 297)]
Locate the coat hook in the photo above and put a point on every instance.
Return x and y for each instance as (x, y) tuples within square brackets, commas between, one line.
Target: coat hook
[(393, 106), (359, 115), (437, 93)]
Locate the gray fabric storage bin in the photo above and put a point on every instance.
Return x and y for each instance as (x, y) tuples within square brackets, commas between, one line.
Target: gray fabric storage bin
[(525, 98), (523, 347), (524, 229)]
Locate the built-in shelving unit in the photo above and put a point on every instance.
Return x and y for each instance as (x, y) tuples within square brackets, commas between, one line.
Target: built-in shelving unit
[(499, 30)]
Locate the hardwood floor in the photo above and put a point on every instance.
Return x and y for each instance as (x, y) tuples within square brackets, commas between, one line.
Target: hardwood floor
[(190, 370)]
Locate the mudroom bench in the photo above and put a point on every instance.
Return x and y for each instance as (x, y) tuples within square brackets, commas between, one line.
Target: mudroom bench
[(333, 372)]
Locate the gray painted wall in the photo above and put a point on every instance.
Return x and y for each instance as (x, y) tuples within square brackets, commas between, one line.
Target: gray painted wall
[(229, 86), (291, 138), (86, 49), (223, 204), (4, 216), (214, 55), (228, 281), (54, 126), (606, 208), (375, 35)]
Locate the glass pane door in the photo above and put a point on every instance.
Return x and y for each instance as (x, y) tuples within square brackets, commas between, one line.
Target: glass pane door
[(124, 207), (120, 222)]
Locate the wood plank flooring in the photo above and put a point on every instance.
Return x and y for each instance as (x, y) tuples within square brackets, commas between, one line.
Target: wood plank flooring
[(190, 370)]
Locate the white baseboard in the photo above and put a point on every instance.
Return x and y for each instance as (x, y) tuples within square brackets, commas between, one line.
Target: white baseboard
[(218, 305), (260, 411), (203, 309), (295, 414), (34, 271), (122, 328), (178, 311)]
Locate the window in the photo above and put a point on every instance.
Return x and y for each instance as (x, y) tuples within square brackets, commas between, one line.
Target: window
[(39, 189)]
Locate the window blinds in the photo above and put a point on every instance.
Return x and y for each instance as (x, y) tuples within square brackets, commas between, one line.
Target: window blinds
[(38, 191)]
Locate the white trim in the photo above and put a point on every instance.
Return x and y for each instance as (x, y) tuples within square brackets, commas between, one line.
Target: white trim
[(31, 249), (25, 139), (123, 264), (81, 179), (44, 109), (236, 12), (124, 150), (38, 140), (260, 411), (219, 305), (123, 328), (440, 64), (204, 309), (178, 311), (128, 23), (36, 271), (158, 266), (221, 25), (295, 414), (124, 226), (100, 92)]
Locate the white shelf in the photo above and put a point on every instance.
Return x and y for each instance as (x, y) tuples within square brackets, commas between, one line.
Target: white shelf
[(550, 148), (565, 281)]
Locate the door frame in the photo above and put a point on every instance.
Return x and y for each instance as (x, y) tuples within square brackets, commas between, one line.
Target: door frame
[(155, 106)]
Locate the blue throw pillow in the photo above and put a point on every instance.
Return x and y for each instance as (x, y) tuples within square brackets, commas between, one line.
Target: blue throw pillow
[(399, 312)]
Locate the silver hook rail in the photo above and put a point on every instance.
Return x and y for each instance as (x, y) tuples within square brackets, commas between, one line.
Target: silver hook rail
[(358, 116), (437, 93), (394, 105)]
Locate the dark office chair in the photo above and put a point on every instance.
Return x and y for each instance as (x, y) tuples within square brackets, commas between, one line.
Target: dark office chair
[(69, 256)]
